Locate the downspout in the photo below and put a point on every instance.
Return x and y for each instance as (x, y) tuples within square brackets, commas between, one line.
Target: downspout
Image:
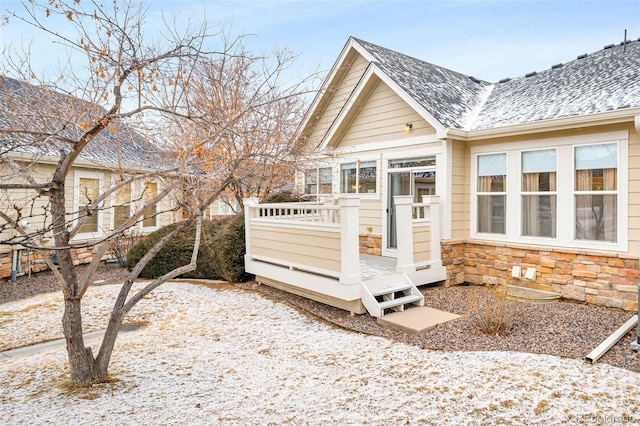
[(635, 346)]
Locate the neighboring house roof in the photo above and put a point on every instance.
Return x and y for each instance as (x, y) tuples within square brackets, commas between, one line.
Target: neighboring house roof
[(606, 80), (40, 111)]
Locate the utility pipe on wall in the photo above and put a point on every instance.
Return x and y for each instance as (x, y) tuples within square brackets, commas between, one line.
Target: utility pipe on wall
[(14, 265)]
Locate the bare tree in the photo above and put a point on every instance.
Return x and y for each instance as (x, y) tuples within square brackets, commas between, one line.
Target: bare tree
[(219, 111)]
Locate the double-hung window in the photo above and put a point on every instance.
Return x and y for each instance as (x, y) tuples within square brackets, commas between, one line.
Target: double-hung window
[(318, 181), (87, 189), (538, 192), (596, 192), (492, 193), (359, 177), (121, 206), (150, 218)]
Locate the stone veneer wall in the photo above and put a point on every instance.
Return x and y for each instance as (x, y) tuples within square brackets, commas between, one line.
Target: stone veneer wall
[(600, 278), (371, 244), (37, 264)]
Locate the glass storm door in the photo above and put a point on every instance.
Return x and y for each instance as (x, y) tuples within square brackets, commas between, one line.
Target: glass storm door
[(416, 183), (399, 184)]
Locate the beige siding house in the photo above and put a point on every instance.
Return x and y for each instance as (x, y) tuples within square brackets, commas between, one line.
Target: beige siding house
[(113, 155), (532, 181)]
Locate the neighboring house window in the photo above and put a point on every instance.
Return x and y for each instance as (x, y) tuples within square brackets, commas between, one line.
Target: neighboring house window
[(492, 193), (596, 192), (358, 178), (122, 206), (150, 218), (539, 202), (86, 191), (318, 181)]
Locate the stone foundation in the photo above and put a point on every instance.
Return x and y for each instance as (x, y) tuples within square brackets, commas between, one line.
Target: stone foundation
[(600, 278), (371, 244), (32, 260)]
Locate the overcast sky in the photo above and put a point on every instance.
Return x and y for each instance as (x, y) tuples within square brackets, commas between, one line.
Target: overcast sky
[(490, 40)]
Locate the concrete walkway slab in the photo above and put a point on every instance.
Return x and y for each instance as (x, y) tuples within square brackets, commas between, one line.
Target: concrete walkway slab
[(416, 320), (53, 344)]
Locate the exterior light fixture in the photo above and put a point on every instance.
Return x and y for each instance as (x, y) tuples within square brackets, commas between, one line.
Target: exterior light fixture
[(408, 127)]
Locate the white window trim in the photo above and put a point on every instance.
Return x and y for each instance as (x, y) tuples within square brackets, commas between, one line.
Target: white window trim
[(362, 196), (317, 168), (565, 233), (81, 174), (538, 193)]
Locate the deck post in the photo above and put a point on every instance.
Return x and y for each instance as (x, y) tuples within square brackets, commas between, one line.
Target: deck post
[(250, 205), (404, 229), (350, 241), (434, 215)]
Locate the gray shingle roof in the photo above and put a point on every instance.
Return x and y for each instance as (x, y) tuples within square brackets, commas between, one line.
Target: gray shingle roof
[(450, 97), (37, 109), (604, 81)]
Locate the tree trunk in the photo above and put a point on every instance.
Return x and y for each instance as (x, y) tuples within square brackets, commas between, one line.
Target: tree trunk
[(101, 365), (80, 358)]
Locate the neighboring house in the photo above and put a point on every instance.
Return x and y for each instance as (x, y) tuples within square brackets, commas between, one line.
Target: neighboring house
[(113, 154), (533, 181)]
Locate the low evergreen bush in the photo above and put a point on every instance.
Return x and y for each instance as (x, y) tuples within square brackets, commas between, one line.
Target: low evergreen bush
[(228, 249), (177, 253)]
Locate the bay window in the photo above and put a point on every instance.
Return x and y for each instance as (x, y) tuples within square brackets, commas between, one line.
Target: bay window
[(567, 192), (539, 193), (596, 196), (492, 190)]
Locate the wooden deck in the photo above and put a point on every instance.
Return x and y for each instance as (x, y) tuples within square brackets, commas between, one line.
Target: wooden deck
[(376, 266)]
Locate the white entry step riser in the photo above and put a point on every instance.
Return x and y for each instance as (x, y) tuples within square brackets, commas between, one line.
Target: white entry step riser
[(391, 290), (388, 304), (387, 288)]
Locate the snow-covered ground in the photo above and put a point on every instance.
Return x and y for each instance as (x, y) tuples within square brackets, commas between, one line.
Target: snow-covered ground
[(217, 355)]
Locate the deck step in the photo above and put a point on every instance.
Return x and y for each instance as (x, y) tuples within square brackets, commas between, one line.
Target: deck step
[(405, 300), (391, 289)]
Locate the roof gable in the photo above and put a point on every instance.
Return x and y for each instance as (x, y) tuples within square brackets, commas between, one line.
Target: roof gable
[(450, 97)]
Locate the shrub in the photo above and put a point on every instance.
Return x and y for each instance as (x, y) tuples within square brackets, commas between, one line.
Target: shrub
[(177, 253), (227, 249), (281, 197), (121, 246), (491, 311)]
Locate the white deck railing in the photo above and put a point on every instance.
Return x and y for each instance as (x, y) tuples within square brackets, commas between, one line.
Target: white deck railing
[(418, 228), (308, 237)]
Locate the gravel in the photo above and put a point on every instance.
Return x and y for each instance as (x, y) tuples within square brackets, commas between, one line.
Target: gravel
[(564, 328)]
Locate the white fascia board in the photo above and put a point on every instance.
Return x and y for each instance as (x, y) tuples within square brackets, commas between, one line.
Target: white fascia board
[(353, 97), (351, 43), (373, 70), (597, 119)]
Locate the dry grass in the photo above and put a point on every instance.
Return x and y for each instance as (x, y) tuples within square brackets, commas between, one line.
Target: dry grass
[(491, 313)]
